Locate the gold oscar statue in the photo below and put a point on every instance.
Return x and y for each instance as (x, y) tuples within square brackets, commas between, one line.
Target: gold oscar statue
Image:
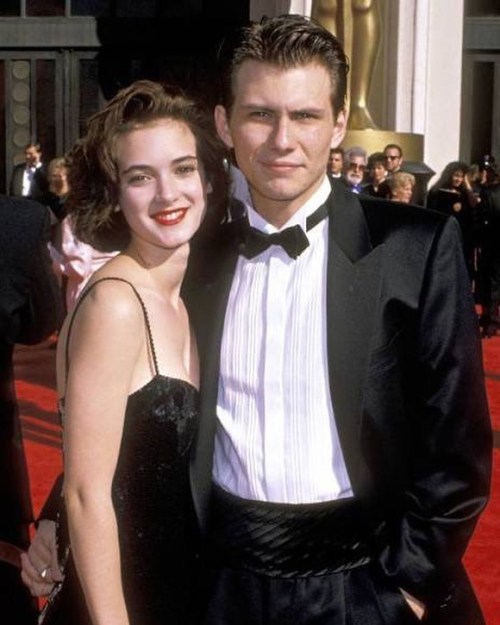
[(357, 25)]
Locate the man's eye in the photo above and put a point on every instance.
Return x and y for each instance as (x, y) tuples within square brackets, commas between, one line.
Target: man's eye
[(260, 114), (304, 115)]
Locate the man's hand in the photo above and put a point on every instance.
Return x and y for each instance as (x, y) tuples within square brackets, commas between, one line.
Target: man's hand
[(40, 568), (417, 606)]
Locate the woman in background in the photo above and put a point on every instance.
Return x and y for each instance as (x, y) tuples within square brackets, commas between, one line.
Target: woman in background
[(377, 173), (401, 185), (74, 262), (453, 195)]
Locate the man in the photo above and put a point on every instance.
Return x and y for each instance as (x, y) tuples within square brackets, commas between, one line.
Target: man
[(30, 310), (344, 449), (344, 416), (355, 162), (29, 179), (393, 158), (335, 162)]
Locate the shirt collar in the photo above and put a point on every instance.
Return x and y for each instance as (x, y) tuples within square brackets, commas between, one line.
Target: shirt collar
[(241, 192)]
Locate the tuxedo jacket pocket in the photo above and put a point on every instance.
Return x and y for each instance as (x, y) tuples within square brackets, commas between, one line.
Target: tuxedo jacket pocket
[(392, 603)]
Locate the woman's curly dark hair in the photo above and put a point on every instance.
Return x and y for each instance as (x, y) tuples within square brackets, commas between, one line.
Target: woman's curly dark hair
[(93, 171), (445, 180)]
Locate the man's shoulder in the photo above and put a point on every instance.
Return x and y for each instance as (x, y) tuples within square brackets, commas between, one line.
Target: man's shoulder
[(22, 206), (19, 213), (386, 211), (385, 217)]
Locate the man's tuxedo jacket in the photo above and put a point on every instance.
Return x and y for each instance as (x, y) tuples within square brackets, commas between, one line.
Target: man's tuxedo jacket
[(39, 184), (406, 384)]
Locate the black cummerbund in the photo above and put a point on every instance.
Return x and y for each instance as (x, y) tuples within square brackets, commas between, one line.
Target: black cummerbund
[(288, 540)]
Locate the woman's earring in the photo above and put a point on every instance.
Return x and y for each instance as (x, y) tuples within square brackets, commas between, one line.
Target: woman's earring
[(116, 209)]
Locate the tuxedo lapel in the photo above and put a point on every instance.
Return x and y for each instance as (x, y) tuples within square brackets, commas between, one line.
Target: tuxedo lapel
[(352, 296), (207, 310)]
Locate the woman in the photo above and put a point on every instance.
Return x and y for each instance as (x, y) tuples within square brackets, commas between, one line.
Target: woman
[(73, 261), (57, 176), (77, 262), (55, 198), (453, 194), (401, 185), (127, 364), (377, 187)]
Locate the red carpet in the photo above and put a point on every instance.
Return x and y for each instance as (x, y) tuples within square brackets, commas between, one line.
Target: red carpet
[(483, 556), (42, 438)]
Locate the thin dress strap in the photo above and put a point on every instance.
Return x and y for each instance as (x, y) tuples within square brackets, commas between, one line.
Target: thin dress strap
[(144, 310)]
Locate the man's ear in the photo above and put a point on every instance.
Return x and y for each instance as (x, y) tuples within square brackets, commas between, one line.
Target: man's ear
[(339, 129), (222, 125)]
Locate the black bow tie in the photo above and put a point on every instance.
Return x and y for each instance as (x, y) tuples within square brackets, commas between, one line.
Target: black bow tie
[(292, 239)]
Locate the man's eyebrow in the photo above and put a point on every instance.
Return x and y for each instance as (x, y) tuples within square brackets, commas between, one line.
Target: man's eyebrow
[(267, 107)]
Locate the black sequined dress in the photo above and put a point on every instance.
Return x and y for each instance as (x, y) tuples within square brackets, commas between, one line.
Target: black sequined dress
[(155, 516)]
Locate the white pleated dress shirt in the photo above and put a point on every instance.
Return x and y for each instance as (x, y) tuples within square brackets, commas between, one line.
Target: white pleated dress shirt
[(276, 437), (28, 174)]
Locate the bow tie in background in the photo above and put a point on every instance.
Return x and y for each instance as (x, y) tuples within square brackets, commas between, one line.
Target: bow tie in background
[(292, 239)]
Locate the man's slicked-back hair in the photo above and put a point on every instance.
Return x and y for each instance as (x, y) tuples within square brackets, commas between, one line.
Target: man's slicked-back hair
[(286, 42)]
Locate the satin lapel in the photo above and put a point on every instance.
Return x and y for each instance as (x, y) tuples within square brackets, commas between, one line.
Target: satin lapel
[(352, 300), (211, 301)]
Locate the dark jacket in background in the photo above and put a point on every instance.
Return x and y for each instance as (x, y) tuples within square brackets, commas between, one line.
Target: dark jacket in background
[(39, 185), (30, 310)]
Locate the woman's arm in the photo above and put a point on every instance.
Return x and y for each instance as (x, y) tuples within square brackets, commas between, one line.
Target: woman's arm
[(106, 341)]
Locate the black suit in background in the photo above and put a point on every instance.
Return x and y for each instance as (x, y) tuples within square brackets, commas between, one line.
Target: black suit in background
[(409, 402), (30, 310), (39, 184)]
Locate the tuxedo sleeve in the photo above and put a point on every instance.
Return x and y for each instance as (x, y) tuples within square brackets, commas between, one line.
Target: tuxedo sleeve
[(450, 477)]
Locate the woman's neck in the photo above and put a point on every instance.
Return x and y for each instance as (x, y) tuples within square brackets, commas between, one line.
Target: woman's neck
[(163, 269)]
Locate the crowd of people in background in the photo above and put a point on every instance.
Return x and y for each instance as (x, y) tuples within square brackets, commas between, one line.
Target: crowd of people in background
[(73, 261), (468, 192)]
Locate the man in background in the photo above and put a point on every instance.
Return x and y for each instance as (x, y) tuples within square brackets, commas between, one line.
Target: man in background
[(335, 162), (355, 163), (393, 154), (29, 179)]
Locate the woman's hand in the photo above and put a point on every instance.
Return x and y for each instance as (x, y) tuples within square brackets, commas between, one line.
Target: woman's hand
[(40, 567)]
